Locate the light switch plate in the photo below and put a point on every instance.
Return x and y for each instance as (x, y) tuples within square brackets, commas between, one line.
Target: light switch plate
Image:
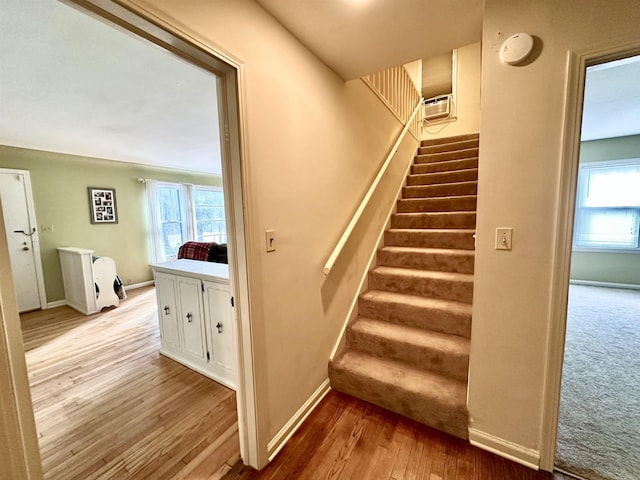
[(270, 239), (503, 238)]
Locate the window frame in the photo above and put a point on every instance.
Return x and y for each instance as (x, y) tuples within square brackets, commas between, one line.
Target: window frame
[(581, 186), (189, 225)]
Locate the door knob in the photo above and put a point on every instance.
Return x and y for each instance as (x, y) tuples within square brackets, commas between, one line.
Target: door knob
[(219, 327), (189, 317), (166, 309), (26, 249)]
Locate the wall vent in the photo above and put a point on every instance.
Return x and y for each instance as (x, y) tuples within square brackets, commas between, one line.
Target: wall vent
[(436, 107)]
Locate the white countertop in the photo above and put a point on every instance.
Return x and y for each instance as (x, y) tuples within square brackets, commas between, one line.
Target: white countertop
[(194, 268)]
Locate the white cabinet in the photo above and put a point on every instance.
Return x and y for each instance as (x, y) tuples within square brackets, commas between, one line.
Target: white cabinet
[(196, 317), (88, 280)]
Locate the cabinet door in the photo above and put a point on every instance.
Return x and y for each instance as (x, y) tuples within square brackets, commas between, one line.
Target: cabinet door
[(223, 340), (167, 309), (190, 297)]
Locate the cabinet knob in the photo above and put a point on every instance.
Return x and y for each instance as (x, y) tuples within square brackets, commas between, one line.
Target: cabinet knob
[(219, 327), (166, 309), (189, 317)]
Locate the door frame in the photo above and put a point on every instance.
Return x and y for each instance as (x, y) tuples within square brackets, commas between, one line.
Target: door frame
[(232, 104), (35, 239), (577, 63)]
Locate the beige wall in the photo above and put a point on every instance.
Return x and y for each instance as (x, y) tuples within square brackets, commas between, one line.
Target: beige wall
[(59, 184), (467, 97), (414, 69), (519, 182), (614, 267), (314, 144)]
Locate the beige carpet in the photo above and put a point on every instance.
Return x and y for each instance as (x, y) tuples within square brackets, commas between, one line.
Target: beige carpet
[(599, 429), (408, 349)]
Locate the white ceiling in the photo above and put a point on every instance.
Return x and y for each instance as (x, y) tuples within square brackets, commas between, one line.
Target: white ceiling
[(358, 37), (70, 83), (612, 100)]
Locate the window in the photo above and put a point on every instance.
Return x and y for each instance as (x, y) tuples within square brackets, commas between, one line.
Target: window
[(209, 208), (183, 212), (608, 205)]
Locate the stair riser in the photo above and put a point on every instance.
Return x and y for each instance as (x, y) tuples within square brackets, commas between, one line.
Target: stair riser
[(452, 364), (438, 320), (447, 147), (444, 166), (444, 177), (457, 290), (440, 262), (446, 190), (435, 414), (439, 157), (430, 239), (452, 204), (449, 140), (434, 220)]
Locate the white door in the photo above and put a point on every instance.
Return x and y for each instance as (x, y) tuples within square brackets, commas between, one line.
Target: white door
[(22, 238), (167, 310), (190, 298), (217, 303)]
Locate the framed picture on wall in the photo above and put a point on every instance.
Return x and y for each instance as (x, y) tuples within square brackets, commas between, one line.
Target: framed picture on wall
[(102, 203)]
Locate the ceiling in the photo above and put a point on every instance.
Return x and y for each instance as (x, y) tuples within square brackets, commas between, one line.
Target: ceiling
[(70, 83), (612, 100), (359, 37)]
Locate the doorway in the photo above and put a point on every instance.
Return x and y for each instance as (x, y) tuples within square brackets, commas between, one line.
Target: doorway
[(22, 238), (227, 77), (599, 415)]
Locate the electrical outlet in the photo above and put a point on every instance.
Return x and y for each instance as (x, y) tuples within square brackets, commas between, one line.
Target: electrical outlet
[(270, 239), (503, 238)]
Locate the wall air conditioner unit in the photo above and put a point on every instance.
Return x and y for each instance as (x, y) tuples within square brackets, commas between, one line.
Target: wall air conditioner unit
[(437, 107)]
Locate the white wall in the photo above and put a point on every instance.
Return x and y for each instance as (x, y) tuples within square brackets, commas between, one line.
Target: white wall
[(467, 97), (314, 146), (521, 135)]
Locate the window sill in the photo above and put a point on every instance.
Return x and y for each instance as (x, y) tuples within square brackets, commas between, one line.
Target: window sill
[(634, 251)]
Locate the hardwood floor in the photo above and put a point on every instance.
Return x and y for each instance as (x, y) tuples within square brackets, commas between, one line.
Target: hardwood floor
[(108, 406), (345, 438)]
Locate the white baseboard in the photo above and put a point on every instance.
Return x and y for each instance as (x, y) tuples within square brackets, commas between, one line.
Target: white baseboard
[(517, 453), (593, 283), (283, 436), (133, 286), (57, 303)]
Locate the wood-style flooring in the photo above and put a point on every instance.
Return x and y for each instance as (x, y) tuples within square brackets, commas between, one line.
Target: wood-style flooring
[(108, 406), (345, 438)]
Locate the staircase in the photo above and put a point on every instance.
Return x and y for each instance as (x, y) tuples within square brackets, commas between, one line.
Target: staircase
[(408, 349)]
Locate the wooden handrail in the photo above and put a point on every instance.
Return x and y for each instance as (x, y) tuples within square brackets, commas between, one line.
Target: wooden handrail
[(356, 217)]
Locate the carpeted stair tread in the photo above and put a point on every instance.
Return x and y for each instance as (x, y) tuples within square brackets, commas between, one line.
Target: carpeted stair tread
[(440, 352), (457, 238), (408, 348), (460, 203), (451, 155), (447, 316), (435, 400), (444, 190), (444, 166), (433, 220), (439, 259), (451, 139), (446, 147), (446, 285), (462, 175)]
